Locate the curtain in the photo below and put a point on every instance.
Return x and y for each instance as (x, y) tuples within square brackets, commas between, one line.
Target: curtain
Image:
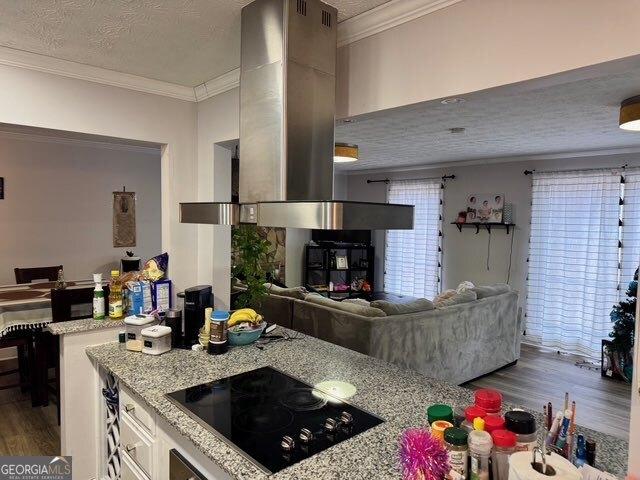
[(630, 230), (574, 259), (412, 257)]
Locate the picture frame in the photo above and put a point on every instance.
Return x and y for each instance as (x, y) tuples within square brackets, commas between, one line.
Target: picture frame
[(485, 208), (342, 262)]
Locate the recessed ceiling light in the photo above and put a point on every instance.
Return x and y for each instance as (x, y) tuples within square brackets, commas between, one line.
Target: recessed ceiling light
[(630, 114), (452, 100), (457, 130), (345, 153)]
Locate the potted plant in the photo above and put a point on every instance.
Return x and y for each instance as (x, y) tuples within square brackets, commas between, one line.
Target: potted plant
[(617, 353), (250, 263)]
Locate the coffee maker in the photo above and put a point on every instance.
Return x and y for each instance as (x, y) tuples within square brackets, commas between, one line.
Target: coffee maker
[(196, 299)]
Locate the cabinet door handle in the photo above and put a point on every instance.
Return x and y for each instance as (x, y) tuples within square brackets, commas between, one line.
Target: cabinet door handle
[(129, 407), (130, 447)]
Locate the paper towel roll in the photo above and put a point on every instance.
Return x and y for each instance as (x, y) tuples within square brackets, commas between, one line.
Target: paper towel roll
[(520, 468)]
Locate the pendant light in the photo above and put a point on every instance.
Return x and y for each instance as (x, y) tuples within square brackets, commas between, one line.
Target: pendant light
[(345, 153), (630, 114)]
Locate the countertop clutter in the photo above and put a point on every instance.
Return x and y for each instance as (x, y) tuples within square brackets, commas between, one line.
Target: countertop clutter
[(400, 397)]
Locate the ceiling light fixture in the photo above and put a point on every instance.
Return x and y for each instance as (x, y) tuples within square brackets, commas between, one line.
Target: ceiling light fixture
[(345, 153), (630, 114), (452, 101)]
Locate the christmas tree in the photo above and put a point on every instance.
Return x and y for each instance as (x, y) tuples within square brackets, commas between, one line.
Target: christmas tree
[(623, 317)]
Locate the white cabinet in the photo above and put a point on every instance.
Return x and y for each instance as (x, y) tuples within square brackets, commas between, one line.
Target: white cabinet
[(136, 444)]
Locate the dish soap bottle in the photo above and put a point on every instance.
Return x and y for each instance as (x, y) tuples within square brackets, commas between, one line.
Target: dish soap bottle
[(115, 296), (98, 297)]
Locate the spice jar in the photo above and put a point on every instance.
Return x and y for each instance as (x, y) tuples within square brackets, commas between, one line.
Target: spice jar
[(493, 422), (504, 444), (439, 412), (488, 399), (523, 424), (480, 445), (218, 341), (438, 427), (455, 441), (471, 413)]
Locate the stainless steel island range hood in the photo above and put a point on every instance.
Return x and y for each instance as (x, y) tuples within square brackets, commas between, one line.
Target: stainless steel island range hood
[(287, 117)]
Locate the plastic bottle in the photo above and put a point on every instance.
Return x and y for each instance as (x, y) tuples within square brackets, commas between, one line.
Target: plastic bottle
[(581, 452), (470, 413), (98, 297), (493, 422), (439, 412), (488, 399), (455, 441), (480, 445), (116, 310), (523, 424), (504, 444)]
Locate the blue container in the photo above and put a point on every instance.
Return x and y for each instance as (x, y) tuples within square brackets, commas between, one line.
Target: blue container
[(245, 337)]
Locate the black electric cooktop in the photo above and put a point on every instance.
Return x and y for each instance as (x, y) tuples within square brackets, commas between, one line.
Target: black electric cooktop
[(273, 418)]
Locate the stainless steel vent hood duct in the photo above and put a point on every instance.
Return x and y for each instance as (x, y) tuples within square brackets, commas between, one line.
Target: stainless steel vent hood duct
[(287, 116)]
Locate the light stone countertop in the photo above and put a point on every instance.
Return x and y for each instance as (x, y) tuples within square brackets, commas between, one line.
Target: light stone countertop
[(397, 395), (83, 325)]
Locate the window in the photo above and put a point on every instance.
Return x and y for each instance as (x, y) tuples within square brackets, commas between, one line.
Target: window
[(412, 257), (574, 259)]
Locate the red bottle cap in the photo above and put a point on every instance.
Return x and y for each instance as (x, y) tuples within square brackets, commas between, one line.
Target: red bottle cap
[(473, 412), (503, 438), (490, 400), (493, 422)]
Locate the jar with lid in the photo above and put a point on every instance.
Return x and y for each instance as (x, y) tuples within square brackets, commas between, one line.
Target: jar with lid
[(523, 424), (455, 441), (471, 413), (504, 444), (218, 341), (493, 422), (439, 412), (480, 445), (438, 428), (488, 399)]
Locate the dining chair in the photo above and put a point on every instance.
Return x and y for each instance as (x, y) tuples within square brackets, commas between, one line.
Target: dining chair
[(66, 305), (23, 341), (28, 275)]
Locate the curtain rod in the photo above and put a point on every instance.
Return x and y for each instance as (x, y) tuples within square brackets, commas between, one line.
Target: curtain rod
[(386, 180), (599, 169)]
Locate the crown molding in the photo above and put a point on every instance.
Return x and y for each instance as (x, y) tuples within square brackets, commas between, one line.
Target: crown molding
[(33, 137), (386, 16), (495, 160), (215, 86), (66, 68)]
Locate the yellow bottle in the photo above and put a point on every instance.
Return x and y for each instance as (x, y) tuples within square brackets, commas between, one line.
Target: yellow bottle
[(115, 296)]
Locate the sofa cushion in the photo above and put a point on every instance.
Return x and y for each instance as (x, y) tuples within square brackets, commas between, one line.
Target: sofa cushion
[(485, 291), (357, 301), (464, 297), (390, 308), (293, 292), (345, 307)]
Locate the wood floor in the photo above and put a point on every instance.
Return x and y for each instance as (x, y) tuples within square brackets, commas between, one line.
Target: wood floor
[(25, 430), (542, 376)]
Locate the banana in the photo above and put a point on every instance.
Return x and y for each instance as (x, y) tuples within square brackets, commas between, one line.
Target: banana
[(245, 315)]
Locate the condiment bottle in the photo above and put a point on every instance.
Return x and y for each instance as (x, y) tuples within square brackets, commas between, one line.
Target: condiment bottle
[(438, 427), (218, 341), (116, 307), (504, 444), (470, 413), (455, 441), (591, 452), (439, 412), (98, 297), (523, 424), (493, 422), (488, 399), (480, 445)]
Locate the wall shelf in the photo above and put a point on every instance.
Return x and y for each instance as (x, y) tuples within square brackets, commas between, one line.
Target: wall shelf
[(487, 225)]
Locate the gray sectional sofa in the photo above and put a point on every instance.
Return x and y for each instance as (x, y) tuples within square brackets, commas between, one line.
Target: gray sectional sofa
[(456, 343)]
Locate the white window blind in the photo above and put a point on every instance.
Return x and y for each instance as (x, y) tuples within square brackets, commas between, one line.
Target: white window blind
[(573, 259), (630, 256), (412, 257)]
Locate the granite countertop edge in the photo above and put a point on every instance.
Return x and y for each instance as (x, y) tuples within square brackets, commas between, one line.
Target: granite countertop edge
[(82, 325)]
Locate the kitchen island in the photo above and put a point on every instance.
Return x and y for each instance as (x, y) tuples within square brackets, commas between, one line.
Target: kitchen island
[(398, 396)]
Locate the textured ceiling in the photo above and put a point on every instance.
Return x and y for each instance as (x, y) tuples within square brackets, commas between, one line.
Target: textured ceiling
[(575, 116), (186, 42)]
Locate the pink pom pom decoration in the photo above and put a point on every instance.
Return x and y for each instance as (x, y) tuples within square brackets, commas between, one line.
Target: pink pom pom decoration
[(422, 456)]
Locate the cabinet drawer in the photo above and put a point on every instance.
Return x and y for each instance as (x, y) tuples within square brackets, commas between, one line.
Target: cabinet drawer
[(129, 470), (136, 444), (136, 409)]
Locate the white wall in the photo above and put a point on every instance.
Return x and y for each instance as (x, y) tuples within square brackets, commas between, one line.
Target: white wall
[(39, 99), (58, 205), (479, 44), (465, 253)]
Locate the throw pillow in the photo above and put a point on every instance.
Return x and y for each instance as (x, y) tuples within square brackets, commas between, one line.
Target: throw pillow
[(390, 308), (357, 301), (345, 307), (492, 290), (464, 297), (293, 292)]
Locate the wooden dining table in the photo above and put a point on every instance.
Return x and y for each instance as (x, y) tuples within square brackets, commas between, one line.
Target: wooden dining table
[(27, 307)]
